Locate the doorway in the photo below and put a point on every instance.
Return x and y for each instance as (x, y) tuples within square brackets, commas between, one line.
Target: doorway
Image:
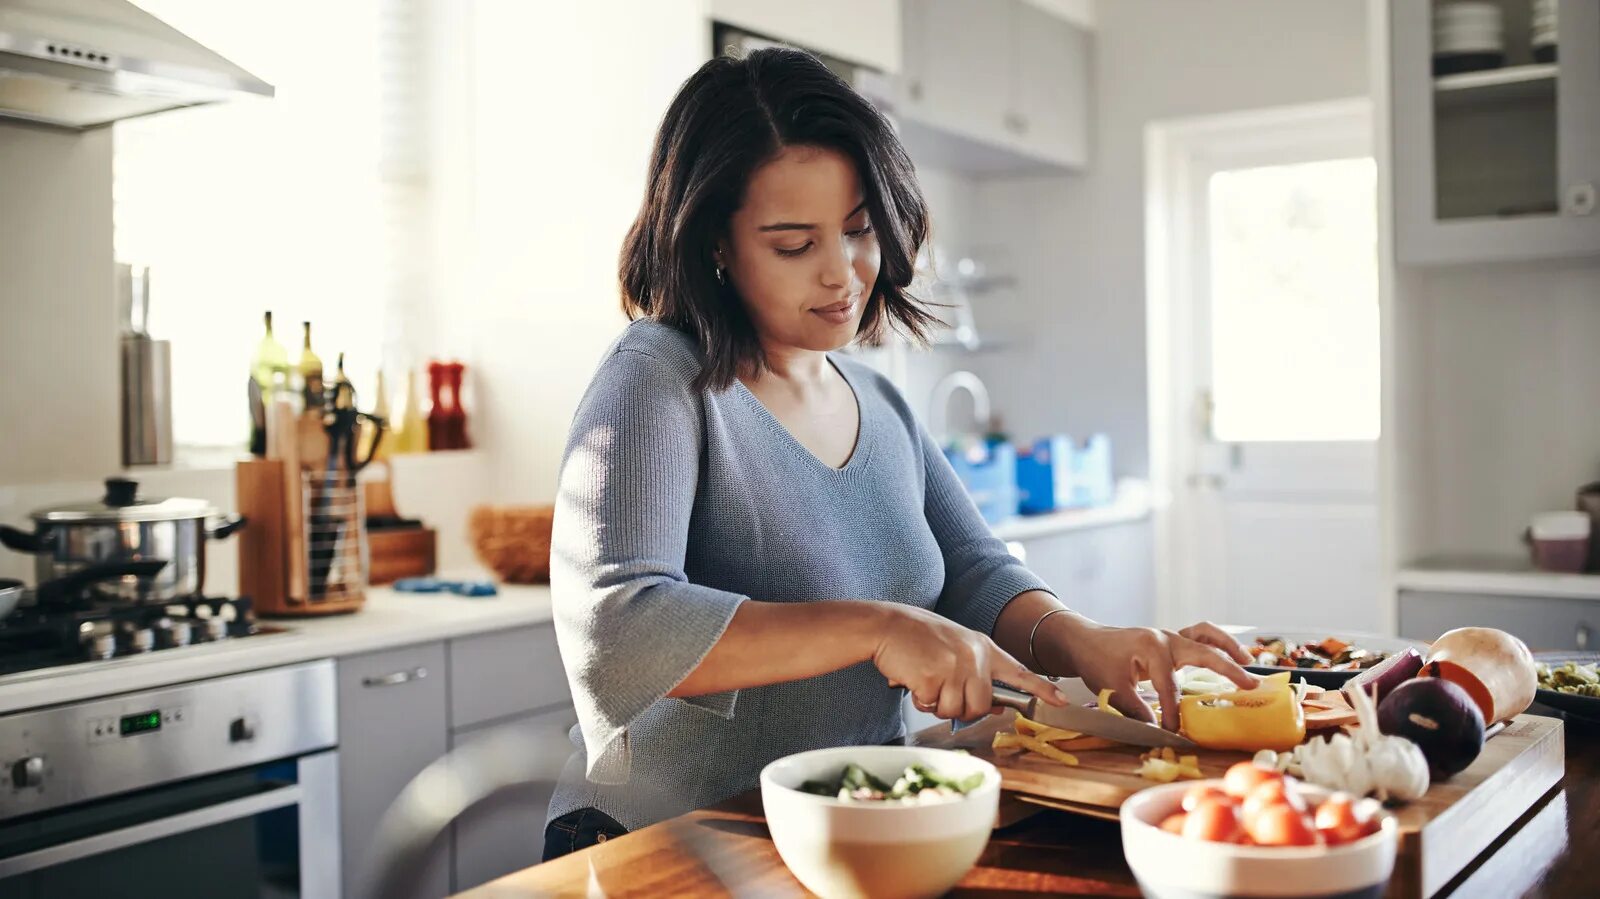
[(1265, 367)]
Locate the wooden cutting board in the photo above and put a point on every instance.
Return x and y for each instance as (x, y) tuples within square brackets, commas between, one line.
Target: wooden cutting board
[(1440, 834)]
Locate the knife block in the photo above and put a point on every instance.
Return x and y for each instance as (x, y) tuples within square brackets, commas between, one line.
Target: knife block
[(308, 553)]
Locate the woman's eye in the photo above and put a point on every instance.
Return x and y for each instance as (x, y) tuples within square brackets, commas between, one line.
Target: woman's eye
[(785, 251), (860, 232)]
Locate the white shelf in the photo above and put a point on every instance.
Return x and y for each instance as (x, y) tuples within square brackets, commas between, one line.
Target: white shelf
[(1132, 503), (1496, 85), (1496, 577)]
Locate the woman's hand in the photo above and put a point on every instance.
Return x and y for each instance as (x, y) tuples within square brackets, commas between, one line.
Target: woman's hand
[(949, 669), (1119, 658)]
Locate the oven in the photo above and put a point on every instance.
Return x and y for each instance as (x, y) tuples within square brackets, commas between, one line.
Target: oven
[(220, 788)]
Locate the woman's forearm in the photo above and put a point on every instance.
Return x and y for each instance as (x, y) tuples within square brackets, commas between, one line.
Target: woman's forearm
[(774, 642), (1015, 624)]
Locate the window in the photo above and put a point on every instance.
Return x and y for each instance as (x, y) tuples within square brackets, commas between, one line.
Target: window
[(1294, 302), (309, 204)]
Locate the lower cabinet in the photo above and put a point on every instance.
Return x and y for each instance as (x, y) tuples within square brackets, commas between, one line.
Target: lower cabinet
[(1103, 572), (400, 710), (392, 714), (505, 833), (1541, 622)]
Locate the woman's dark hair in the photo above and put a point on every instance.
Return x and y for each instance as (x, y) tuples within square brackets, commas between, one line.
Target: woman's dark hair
[(728, 119)]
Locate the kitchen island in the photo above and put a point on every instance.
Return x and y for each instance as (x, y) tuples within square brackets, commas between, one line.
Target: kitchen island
[(726, 851)]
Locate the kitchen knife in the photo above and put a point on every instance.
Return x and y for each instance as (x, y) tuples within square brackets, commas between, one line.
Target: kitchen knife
[(1076, 716)]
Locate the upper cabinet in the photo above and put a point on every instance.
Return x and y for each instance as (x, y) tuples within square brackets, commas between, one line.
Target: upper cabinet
[(866, 32), (1496, 129), (993, 86)]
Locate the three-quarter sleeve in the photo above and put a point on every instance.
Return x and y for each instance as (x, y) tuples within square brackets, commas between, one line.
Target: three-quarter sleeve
[(629, 623), (981, 575)]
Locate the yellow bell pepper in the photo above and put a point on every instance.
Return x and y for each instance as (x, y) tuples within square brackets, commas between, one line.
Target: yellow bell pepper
[(1268, 717)]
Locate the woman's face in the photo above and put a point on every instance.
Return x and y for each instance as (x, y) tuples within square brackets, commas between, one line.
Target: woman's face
[(801, 252)]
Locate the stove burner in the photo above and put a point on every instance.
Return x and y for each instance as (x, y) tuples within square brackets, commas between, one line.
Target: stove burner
[(91, 629)]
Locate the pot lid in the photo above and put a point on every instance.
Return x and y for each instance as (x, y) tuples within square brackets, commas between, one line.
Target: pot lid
[(122, 503)]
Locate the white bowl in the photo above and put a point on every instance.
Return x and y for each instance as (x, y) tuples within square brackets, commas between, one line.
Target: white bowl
[(1169, 866), (841, 849)]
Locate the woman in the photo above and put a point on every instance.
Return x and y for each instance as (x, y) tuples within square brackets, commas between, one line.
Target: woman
[(758, 550)]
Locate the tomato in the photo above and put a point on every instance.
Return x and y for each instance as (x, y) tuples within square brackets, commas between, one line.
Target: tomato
[(1269, 793), (1337, 822), (1201, 792), (1246, 776), (1213, 820), (1283, 825), (1174, 823)]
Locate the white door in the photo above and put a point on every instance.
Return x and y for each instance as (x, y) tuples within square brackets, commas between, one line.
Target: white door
[(1272, 372)]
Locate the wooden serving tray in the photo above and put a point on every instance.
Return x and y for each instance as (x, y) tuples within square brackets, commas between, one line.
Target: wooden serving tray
[(1440, 834)]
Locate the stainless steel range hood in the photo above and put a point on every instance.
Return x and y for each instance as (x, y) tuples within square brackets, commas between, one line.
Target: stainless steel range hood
[(84, 63)]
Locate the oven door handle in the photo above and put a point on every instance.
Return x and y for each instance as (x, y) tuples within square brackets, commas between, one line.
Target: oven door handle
[(144, 832)]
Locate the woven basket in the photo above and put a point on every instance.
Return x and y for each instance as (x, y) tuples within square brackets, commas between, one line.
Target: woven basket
[(513, 541)]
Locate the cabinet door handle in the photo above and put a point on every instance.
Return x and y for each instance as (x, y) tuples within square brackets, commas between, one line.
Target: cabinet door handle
[(1582, 637), (395, 678), (1581, 198)]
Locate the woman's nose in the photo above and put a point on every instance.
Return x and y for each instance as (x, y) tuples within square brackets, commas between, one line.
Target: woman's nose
[(840, 267)]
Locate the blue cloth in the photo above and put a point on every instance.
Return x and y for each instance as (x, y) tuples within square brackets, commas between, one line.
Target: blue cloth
[(674, 507)]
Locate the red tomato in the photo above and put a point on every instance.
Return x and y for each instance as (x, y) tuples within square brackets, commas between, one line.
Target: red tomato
[(1246, 776), (1200, 792), (1213, 820), (1337, 822), (1269, 793), (1174, 823), (1283, 825)]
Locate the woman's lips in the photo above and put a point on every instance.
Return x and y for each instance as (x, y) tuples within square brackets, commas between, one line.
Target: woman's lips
[(838, 313)]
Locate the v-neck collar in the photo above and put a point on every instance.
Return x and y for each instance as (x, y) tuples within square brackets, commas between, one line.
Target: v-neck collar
[(864, 431)]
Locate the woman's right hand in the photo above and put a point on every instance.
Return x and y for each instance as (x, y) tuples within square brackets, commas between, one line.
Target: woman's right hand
[(949, 669)]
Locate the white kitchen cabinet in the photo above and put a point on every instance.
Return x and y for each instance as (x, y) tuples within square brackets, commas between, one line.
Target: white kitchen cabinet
[(1501, 164), (994, 86), (505, 833), (858, 31), (1551, 623), (1105, 573), (392, 724)]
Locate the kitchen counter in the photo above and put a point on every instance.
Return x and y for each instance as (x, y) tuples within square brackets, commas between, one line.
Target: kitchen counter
[(388, 619), (1132, 503), (726, 850)]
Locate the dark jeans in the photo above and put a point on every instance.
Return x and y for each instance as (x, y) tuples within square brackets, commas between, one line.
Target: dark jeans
[(579, 830)]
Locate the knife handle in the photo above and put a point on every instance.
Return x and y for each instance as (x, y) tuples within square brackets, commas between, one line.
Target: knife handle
[(1005, 697)]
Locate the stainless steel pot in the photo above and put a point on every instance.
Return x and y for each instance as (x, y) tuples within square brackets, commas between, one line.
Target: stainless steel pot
[(123, 527)]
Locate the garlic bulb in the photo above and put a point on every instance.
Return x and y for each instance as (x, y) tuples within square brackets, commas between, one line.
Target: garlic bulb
[(1370, 762)]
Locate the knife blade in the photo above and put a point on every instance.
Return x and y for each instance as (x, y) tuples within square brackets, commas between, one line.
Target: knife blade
[(1075, 716)]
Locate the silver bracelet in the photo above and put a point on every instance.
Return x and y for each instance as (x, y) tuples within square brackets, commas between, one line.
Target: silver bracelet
[(1037, 666)]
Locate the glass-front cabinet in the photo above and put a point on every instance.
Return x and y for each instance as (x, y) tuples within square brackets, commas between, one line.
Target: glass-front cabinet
[(1495, 122)]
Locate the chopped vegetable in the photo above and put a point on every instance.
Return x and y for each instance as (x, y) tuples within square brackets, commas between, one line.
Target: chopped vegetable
[(918, 784), (1268, 717), (1570, 677), (1331, 654), (1164, 766), (1105, 702), (1033, 744), (1273, 814)]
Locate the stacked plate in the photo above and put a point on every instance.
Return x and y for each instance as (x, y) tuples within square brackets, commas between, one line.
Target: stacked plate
[(1543, 34), (1468, 36)]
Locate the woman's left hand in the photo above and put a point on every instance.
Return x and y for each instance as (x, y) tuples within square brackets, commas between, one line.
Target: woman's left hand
[(1118, 658)]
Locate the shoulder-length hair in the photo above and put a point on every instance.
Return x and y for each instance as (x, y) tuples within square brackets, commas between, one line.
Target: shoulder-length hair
[(729, 118)]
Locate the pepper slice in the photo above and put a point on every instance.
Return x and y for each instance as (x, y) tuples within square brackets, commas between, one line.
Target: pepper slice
[(1268, 717)]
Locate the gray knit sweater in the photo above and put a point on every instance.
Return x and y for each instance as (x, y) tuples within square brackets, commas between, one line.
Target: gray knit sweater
[(674, 507)]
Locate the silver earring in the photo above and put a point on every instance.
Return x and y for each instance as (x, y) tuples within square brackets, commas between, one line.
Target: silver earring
[(721, 277)]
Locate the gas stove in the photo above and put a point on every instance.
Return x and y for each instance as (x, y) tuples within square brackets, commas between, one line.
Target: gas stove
[(91, 629)]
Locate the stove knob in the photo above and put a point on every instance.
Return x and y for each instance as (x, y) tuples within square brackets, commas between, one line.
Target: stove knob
[(102, 646), (179, 633), (141, 640), (241, 730), (28, 772)]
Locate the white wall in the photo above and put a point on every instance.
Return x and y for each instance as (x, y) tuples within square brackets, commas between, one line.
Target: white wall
[(1079, 241), (59, 351), (563, 101)]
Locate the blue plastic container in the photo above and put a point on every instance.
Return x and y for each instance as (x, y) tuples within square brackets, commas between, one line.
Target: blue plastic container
[(989, 472), (1054, 473)]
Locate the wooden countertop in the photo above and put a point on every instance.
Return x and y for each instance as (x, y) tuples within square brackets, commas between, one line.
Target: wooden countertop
[(726, 851)]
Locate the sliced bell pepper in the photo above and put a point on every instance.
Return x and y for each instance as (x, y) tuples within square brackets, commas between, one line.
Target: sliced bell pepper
[(1268, 717)]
